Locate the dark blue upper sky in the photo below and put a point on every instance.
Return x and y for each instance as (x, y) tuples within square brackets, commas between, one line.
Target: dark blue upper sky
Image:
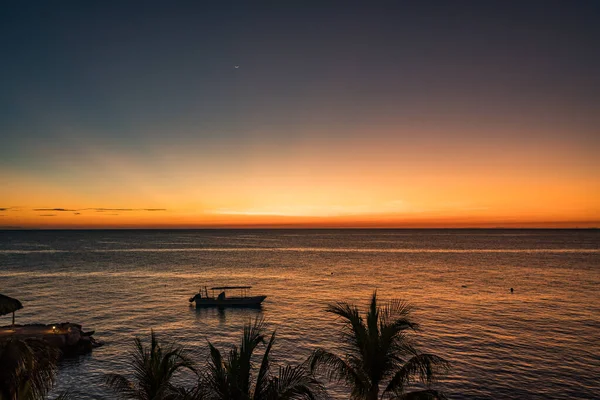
[(120, 67)]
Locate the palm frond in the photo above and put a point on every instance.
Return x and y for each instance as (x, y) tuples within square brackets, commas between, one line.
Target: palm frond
[(377, 350), (42, 368), (216, 378), (154, 367), (28, 368), (253, 336), (198, 392), (262, 382), (242, 363), (373, 317), (294, 383), (121, 386), (176, 359), (397, 313), (421, 367), (336, 369), (354, 334)]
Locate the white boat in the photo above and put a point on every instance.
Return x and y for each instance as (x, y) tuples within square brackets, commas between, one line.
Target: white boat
[(204, 299)]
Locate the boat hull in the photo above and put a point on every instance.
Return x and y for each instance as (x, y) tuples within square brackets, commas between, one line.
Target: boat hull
[(253, 301)]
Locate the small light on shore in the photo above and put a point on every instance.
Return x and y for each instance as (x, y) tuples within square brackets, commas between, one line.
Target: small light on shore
[(54, 328)]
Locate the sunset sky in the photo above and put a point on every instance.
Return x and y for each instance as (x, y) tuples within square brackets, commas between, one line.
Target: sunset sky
[(412, 114)]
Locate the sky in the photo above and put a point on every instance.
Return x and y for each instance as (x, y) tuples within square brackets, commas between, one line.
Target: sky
[(299, 114)]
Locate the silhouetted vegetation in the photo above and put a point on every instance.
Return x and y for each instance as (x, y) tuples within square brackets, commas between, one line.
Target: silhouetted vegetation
[(231, 377), (377, 360), (27, 369), (153, 370), (222, 378), (377, 353)]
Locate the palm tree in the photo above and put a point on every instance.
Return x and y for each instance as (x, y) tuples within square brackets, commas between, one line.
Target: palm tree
[(153, 371), (378, 352), (231, 378), (28, 369)]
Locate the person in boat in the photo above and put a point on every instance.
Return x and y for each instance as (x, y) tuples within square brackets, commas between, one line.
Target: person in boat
[(221, 296)]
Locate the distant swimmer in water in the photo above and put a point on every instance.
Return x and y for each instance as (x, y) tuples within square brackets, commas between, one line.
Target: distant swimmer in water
[(511, 290)]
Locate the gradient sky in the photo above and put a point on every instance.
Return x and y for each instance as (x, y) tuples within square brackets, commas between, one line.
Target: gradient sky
[(454, 113)]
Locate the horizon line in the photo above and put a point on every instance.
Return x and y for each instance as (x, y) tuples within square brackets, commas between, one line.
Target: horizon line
[(221, 228)]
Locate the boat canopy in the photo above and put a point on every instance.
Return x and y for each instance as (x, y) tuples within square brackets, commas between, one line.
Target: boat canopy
[(230, 287)]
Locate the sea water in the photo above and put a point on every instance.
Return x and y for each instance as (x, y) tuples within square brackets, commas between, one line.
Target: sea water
[(542, 341)]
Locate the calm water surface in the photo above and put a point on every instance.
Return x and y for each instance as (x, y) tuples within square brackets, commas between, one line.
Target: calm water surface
[(541, 342)]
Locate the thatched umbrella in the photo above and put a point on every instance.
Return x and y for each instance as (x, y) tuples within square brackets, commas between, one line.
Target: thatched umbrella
[(9, 305)]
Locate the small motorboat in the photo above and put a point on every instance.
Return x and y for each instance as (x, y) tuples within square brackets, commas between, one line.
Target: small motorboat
[(204, 299)]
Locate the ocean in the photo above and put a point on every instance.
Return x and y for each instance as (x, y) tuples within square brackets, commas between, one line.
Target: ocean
[(540, 342)]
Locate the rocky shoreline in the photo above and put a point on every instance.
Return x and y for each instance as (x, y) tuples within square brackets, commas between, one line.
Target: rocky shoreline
[(68, 337)]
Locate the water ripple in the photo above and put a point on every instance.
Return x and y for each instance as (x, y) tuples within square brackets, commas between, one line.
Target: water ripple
[(537, 343)]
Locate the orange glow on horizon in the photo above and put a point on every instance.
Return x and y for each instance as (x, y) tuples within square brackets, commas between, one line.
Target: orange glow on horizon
[(354, 183), (172, 219)]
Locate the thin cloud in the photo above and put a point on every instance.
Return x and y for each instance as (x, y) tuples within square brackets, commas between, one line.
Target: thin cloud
[(4, 208), (126, 209), (54, 209), (77, 213), (47, 215)]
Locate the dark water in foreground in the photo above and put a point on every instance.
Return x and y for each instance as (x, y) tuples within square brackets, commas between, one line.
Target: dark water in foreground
[(541, 342)]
